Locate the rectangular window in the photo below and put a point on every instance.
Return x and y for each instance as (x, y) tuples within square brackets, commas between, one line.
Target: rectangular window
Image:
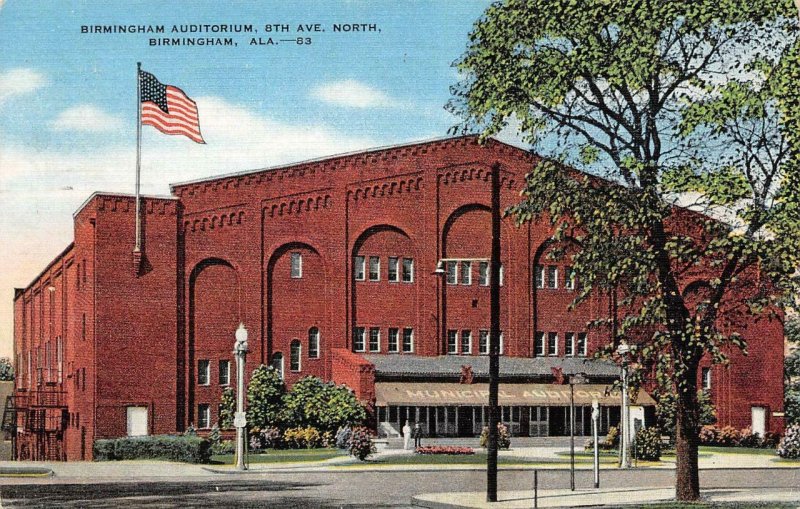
[(297, 265), (137, 421), (581, 344), (374, 268), (466, 341), (408, 340), (552, 343), (466, 273), (313, 343), (502, 274), (452, 341), (540, 276), (224, 372), (203, 416), (394, 340), (502, 344), (539, 347), (394, 273), (569, 344), (483, 273), (359, 268), (358, 339), (295, 355), (374, 339), (706, 379), (483, 342), (203, 372), (552, 276), (569, 278), (408, 270), (60, 355), (452, 273)]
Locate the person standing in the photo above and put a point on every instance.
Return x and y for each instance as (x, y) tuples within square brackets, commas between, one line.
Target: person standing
[(406, 435), (417, 435)]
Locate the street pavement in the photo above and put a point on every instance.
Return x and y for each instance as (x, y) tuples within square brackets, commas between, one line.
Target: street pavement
[(345, 482)]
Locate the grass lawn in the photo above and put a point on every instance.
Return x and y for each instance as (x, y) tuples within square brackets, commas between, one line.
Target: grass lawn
[(714, 505), (283, 456), (737, 450)]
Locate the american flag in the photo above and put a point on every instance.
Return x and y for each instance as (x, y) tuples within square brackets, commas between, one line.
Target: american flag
[(168, 108)]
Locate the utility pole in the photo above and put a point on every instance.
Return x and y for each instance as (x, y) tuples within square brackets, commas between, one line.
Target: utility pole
[(494, 340)]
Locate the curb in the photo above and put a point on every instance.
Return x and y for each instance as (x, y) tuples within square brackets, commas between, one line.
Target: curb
[(26, 472)]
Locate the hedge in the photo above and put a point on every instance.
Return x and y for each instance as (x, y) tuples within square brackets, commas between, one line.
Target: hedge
[(188, 449)]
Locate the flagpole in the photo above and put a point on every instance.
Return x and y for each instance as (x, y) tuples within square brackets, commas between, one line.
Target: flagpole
[(137, 249)]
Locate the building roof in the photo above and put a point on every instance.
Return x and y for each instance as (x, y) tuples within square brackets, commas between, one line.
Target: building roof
[(510, 367)]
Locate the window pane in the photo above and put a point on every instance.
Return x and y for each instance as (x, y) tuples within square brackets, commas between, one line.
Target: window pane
[(358, 268), (540, 276), (408, 340), (203, 369), (374, 339), (203, 416), (466, 273), (408, 270), (452, 339), (297, 265), (358, 339), (466, 341), (540, 344), (483, 342), (295, 356), (552, 276), (374, 268), (394, 340), (393, 272), (569, 343), (224, 372), (483, 274), (582, 344), (569, 278), (452, 273), (552, 343), (313, 343), (277, 363)]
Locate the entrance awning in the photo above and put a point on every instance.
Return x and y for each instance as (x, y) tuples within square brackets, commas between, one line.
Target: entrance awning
[(453, 394)]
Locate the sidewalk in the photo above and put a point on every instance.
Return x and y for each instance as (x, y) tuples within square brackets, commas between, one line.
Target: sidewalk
[(587, 498)]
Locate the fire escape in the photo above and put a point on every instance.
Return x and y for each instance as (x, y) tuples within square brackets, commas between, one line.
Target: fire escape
[(41, 419)]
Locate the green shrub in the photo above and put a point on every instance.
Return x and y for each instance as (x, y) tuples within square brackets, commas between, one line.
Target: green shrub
[(749, 439), (227, 408), (322, 405), (790, 444), (770, 440), (729, 437), (302, 438), (343, 437), (224, 447), (104, 450), (708, 435), (503, 436), (361, 445), (188, 449), (647, 444)]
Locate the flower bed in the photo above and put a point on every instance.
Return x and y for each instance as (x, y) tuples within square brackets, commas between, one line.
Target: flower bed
[(444, 449)]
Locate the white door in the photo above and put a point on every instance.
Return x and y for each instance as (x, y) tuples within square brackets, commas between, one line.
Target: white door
[(759, 425), (137, 421)]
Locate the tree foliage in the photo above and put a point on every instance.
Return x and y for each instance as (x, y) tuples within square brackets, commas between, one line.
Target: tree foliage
[(691, 103), (227, 408), (6, 369), (322, 405), (791, 373), (264, 397)]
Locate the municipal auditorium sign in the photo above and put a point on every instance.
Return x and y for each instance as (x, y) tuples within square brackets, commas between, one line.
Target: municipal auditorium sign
[(444, 394)]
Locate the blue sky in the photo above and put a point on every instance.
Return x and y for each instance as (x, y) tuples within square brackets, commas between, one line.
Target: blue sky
[(68, 101)]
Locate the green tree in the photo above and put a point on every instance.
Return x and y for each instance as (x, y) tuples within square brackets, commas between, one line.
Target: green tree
[(227, 408), (6, 369), (791, 374), (264, 393), (670, 100), (323, 405)]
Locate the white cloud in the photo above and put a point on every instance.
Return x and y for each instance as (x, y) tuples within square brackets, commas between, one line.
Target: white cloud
[(353, 94), (86, 118), (19, 81)]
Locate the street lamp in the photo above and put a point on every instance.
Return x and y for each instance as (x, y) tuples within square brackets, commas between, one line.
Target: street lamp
[(239, 418), (595, 428), (577, 378), (625, 449)]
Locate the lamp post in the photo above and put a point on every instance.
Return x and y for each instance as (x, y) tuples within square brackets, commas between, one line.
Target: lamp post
[(494, 333), (577, 378), (239, 418), (595, 429), (625, 453)]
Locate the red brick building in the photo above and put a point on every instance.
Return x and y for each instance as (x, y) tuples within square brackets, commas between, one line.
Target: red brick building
[(331, 265)]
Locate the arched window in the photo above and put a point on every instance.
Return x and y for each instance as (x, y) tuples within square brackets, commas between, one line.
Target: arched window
[(294, 361), (277, 363), (313, 343)]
